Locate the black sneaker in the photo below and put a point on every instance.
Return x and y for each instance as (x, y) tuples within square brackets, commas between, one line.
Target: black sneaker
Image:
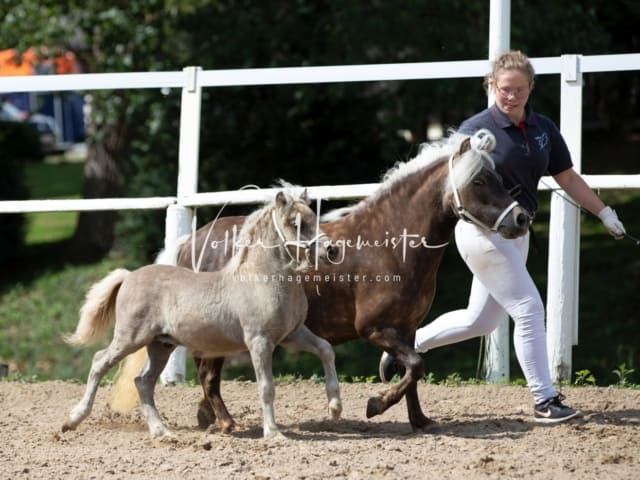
[(553, 411), (389, 367)]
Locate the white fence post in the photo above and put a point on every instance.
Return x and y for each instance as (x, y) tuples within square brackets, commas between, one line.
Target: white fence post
[(496, 357), (564, 235), (179, 218)]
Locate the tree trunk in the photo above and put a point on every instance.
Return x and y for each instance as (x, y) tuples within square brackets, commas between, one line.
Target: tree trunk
[(94, 234)]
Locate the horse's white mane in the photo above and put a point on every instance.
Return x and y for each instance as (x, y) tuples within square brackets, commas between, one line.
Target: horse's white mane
[(464, 169)]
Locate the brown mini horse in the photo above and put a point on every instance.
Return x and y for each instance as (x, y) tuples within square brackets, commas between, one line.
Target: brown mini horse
[(383, 283)]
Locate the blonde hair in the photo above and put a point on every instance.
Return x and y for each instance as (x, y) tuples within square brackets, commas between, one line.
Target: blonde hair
[(510, 60)]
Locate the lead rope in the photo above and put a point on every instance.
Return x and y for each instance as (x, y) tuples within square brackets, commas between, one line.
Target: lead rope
[(585, 211)]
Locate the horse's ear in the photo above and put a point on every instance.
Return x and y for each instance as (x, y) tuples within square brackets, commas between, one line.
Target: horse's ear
[(464, 146), (281, 199), (305, 196)]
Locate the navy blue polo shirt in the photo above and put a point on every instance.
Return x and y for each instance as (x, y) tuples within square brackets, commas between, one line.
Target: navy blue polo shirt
[(523, 152)]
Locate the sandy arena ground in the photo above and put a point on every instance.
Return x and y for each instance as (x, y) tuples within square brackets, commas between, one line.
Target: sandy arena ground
[(483, 432)]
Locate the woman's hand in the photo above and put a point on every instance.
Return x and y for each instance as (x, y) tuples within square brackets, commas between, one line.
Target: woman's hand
[(612, 224)]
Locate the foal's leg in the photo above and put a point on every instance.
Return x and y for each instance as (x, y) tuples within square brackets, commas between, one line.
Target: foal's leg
[(158, 356), (305, 340), (102, 361), (390, 340), (261, 350), (212, 406)]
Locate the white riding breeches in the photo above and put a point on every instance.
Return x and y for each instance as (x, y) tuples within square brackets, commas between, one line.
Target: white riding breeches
[(501, 285)]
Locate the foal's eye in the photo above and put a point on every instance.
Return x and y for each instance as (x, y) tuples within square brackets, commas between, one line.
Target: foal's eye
[(479, 182)]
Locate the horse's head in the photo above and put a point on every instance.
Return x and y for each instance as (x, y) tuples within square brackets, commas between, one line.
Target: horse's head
[(477, 193), (299, 231)]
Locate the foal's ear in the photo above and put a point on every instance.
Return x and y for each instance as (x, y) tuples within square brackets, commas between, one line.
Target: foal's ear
[(464, 146), (305, 196), (281, 199)]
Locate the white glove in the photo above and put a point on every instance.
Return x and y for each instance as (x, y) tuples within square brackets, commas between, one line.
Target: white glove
[(611, 223)]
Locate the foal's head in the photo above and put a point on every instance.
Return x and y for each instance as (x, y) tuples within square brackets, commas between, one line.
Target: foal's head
[(298, 230), (476, 191)]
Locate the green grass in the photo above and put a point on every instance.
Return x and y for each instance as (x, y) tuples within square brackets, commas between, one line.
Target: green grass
[(34, 317), (52, 181), (44, 227)]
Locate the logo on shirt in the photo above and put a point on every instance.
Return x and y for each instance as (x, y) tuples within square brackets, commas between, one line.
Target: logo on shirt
[(542, 140)]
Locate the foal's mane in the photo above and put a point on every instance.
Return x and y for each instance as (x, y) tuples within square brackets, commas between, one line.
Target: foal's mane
[(465, 168), (256, 224)]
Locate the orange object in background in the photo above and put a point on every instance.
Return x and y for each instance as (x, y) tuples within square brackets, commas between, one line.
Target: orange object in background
[(12, 63)]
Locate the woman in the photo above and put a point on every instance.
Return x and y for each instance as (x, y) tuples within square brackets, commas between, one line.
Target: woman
[(528, 145)]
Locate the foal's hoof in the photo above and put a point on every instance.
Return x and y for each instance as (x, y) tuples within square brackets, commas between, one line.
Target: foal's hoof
[(335, 409), (160, 432), (274, 435), (374, 407), (66, 426)]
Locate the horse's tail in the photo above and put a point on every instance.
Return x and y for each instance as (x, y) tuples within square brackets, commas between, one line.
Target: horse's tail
[(124, 395), (98, 312)]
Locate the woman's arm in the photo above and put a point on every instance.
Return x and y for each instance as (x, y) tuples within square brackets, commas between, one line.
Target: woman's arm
[(572, 183)]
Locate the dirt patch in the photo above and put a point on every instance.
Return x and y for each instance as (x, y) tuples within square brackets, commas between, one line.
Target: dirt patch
[(480, 432)]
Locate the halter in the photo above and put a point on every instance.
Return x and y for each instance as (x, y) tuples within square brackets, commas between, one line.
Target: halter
[(465, 215), (299, 244)]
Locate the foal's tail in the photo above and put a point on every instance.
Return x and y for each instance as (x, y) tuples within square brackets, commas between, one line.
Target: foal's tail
[(124, 396), (98, 312)]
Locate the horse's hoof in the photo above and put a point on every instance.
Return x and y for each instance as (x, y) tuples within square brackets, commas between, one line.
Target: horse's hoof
[(335, 409), (373, 407), (274, 435), (205, 418), (67, 426), (227, 428), (422, 426), (160, 432)]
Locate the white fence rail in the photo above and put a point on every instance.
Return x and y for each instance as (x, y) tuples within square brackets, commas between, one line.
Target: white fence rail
[(244, 197), (563, 270)]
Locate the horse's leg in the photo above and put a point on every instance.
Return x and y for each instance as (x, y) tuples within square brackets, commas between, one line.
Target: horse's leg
[(145, 383), (261, 351), (389, 340), (206, 375), (417, 419), (212, 406), (305, 340), (102, 361)]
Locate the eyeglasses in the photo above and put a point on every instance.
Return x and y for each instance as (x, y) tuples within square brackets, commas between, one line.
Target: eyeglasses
[(513, 92)]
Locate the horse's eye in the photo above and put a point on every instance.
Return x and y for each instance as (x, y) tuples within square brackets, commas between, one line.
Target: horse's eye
[(479, 182)]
